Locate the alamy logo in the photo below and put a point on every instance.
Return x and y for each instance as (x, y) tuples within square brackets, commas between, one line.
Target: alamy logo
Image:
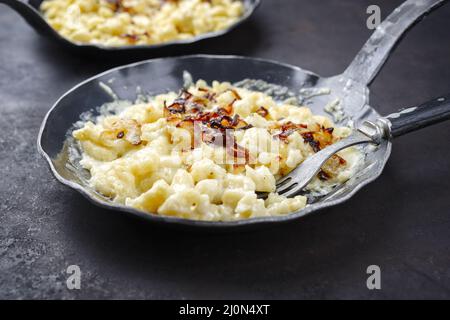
[(374, 280), (73, 282), (374, 20)]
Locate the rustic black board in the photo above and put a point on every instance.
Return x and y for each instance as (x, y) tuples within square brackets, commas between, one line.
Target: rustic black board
[(401, 222)]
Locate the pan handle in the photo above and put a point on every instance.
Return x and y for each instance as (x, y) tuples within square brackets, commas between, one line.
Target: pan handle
[(376, 50), (426, 114)]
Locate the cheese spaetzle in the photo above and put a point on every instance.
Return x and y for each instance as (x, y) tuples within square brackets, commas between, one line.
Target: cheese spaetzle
[(205, 152), (138, 22)]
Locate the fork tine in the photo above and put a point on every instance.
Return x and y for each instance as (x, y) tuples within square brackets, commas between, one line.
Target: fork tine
[(286, 188), (293, 192), (283, 181), (307, 170)]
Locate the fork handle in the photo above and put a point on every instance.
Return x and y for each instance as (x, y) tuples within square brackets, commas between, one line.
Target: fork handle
[(415, 118)]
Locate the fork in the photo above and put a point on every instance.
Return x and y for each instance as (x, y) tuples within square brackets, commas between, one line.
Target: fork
[(373, 132)]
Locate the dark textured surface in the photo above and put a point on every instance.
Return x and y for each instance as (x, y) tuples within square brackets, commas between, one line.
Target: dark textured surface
[(401, 222)]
